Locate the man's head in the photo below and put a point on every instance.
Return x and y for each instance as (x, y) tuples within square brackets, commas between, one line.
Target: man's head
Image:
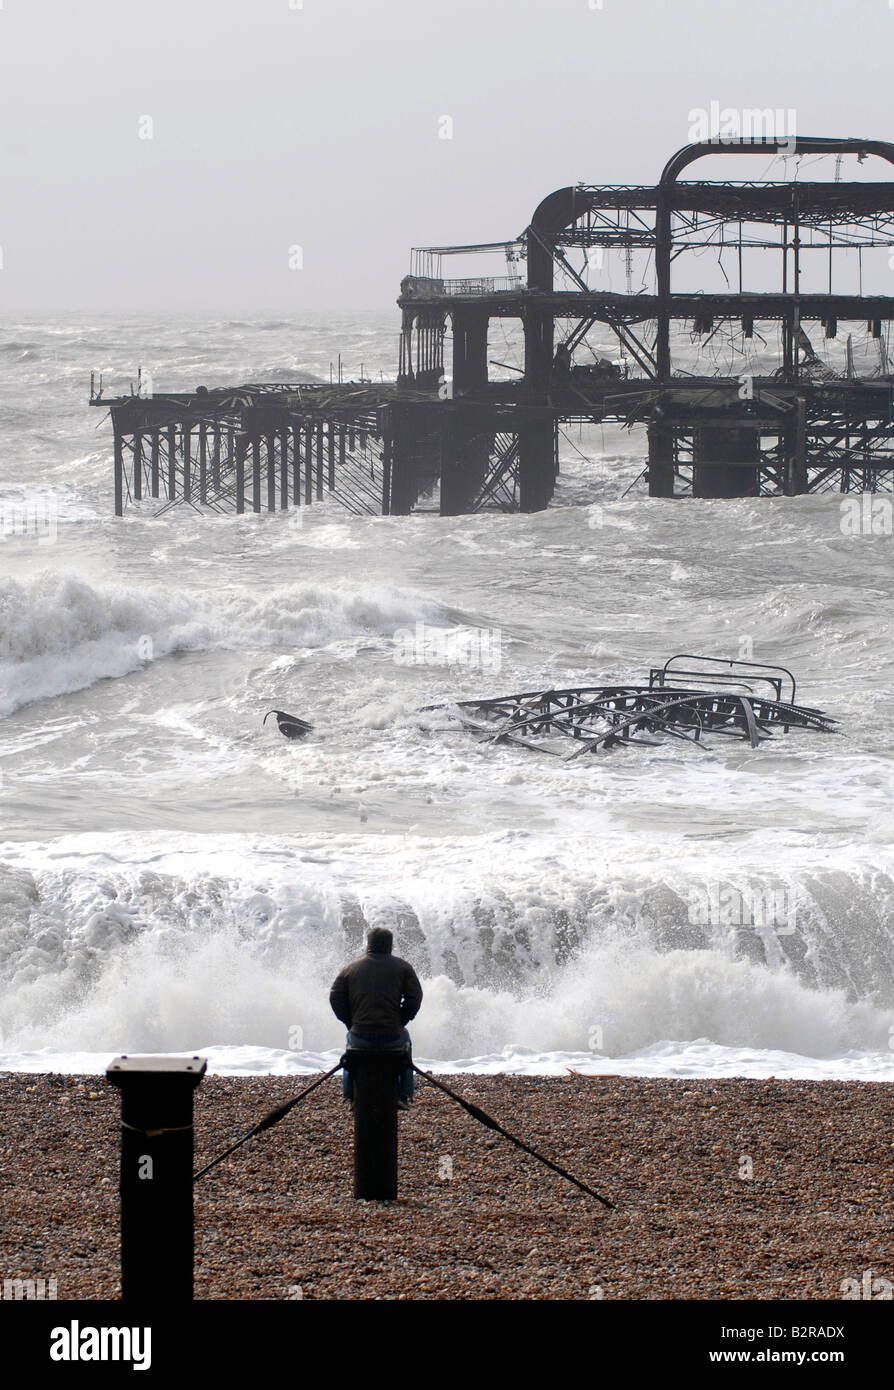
[(379, 941)]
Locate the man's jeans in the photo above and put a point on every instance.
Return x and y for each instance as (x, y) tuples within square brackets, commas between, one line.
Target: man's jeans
[(388, 1042)]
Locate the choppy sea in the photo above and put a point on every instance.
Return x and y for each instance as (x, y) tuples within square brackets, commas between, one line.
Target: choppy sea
[(175, 875)]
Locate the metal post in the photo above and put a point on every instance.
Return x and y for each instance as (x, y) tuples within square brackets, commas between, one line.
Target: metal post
[(320, 461), (187, 460), (137, 465), (154, 463), (255, 469), (383, 422), (308, 464), (230, 460), (661, 459), (663, 253), (203, 462), (172, 462), (240, 473), (799, 471), (119, 472), (374, 1075), (156, 1174), (269, 439), (284, 467)]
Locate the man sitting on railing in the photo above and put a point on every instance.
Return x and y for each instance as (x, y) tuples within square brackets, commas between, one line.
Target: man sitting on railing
[(375, 997)]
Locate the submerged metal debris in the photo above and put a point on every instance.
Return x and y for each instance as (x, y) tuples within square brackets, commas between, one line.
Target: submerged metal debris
[(682, 701)]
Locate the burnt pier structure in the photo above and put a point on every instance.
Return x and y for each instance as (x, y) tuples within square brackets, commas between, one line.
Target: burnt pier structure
[(767, 414)]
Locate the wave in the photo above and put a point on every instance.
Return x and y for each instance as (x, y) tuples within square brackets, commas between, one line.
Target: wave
[(138, 959), (59, 634)]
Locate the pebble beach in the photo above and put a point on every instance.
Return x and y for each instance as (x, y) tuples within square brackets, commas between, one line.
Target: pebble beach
[(723, 1189)]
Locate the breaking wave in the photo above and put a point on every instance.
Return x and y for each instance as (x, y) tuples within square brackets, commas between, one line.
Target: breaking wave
[(59, 634), (143, 959)]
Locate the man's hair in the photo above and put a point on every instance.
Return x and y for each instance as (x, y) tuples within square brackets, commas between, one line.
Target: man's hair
[(379, 941)]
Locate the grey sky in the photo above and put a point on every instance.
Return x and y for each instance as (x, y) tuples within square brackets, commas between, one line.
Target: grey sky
[(318, 126)]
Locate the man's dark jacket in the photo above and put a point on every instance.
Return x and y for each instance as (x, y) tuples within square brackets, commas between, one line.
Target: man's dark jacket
[(377, 993)]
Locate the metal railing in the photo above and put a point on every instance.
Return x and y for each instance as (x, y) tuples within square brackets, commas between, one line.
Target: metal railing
[(478, 285)]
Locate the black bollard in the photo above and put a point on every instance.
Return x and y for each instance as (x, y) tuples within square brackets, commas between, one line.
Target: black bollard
[(156, 1174), (374, 1075)]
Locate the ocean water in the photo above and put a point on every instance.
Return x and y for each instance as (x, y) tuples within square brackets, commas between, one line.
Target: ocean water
[(174, 875)]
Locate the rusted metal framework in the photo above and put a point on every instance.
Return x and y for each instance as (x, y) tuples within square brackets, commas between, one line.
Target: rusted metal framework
[(782, 421), (257, 448), (686, 703), (795, 427)]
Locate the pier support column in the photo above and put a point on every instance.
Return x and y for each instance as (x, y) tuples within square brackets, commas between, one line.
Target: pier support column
[(537, 422), (308, 464), (172, 462), (270, 446), (137, 465), (255, 471), (661, 460), (465, 454), (284, 468), (203, 463), (725, 462), (186, 436), (410, 455), (119, 472), (796, 462), (385, 432), (320, 461), (536, 459), (241, 447), (401, 496)]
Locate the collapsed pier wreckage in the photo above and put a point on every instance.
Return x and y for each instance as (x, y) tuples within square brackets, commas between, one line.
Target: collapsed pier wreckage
[(707, 696), (772, 417)]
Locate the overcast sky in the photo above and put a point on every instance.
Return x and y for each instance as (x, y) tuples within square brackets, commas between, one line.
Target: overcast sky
[(319, 126)]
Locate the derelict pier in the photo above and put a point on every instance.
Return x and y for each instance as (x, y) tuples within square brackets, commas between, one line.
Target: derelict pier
[(783, 421)]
